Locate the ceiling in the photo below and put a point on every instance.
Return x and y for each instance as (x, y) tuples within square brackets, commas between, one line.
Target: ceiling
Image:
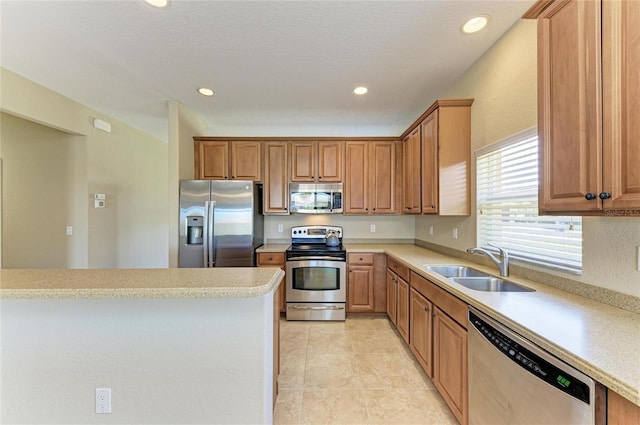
[(279, 68)]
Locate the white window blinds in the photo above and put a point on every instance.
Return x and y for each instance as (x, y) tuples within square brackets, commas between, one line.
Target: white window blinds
[(507, 199)]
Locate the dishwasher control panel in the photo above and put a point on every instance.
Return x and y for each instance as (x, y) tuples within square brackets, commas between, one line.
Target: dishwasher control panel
[(530, 361)]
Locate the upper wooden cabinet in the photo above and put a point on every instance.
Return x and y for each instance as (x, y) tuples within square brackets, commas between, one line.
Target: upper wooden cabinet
[(276, 179), (317, 161), (411, 174), (222, 160), (588, 93), (437, 160), (370, 177)]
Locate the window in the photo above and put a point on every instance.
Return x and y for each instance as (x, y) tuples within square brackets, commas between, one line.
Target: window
[(507, 198)]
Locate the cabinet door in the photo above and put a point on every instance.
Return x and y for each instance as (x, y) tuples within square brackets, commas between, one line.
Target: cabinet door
[(411, 155), (270, 259), (392, 296), (429, 129), (303, 158), (246, 161), (360, 289), (330, 161), (621, 95), (382, 177), (450, 363), (356, 187), (420, 325), (570, 107), (276, 190), (402, 321), (212, 160)]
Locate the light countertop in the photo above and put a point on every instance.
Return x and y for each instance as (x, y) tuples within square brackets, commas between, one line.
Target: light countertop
[(139, 283), (600, 340)]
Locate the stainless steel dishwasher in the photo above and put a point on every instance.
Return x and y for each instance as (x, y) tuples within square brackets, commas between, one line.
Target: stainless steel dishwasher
[(514, 382)]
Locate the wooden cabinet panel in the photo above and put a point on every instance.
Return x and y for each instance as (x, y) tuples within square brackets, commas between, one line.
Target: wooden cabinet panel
[(411, 154), (400, 269), (383, 162), (276, 183), (621, 411), (420, 329), (402, 320), (303, 161), (330, 161), (392, 296), (450, 363), (317, 161), (223, 160), (360, 258), (212, 160), (356, 187), (380, 282), (370, 177), (446, 302), (569, 106), (621, 97), (360, 289), (275, 259), (246, 161), (429, 132)]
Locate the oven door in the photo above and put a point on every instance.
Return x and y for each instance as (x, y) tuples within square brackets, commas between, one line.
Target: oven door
[(316, 280)]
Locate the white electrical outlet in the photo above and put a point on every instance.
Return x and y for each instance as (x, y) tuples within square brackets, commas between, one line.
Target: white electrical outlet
[(103, 400), (372, 228), (431, 230), (69, 230), (280, 228), (454, 233)]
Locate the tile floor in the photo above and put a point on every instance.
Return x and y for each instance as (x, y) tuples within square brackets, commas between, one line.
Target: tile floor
[(353, 372)]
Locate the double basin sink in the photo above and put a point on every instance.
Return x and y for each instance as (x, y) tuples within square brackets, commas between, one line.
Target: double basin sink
[(477, 280)]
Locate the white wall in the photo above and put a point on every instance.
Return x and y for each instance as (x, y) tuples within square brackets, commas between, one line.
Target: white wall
[(167, 361), (130, 167), (503, 83), (40, 175)]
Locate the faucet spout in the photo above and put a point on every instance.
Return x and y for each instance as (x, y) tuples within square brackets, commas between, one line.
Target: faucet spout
[(502, 262)]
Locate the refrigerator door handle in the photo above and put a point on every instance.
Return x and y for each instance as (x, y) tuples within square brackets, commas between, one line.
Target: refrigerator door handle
[(205, 235), (212, 235)]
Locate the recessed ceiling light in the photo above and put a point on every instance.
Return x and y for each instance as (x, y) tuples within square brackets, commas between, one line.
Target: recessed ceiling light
[(158, 3), (475, 24), (360, 90), (206, 92)]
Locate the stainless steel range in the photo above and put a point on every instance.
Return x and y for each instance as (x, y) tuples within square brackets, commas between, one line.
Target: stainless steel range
[(316, 274)]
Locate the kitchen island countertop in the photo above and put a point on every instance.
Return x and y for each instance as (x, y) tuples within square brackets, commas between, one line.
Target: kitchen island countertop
[(138, 283)]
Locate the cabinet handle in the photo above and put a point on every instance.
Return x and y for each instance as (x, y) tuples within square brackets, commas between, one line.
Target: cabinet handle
[(426, 309), (374, 209), (590, 196), (433, 315), (270, 258), (360, 258), (319, 177), (233, 177), (604, 195)]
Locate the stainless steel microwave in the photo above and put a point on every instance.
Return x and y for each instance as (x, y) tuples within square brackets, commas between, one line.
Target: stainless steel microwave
[(311, 198)]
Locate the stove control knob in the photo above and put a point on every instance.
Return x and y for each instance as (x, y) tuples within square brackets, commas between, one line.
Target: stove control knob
[(295, 231)]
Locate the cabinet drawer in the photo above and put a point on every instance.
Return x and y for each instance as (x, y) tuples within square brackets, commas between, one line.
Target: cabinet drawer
[(271, 259), (444, 300), (359, 258), (400, 269)]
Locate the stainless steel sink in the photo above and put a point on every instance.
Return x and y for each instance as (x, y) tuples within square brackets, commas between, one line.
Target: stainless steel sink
[(490, 284), (457, 271)]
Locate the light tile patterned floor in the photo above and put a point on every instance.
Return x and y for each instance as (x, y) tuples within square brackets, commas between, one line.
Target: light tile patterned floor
[(353, 372)]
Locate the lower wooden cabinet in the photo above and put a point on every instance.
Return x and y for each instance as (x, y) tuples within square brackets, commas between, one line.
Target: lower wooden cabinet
[(392, 295), (402, 320), (621, 411), (366, 288), (420, 329), (450, 363), (275, 259)]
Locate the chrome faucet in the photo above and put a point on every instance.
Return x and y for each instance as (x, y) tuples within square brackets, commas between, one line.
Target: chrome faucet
[(502, 262)]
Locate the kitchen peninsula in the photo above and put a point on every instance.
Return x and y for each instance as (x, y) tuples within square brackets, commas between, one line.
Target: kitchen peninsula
[(173, 345)]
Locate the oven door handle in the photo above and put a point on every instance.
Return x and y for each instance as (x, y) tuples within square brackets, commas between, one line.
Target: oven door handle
[(316, 258), (325, 307)]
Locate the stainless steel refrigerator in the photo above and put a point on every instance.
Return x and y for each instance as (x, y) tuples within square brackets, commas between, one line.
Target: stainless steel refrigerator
[(221, 223)]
